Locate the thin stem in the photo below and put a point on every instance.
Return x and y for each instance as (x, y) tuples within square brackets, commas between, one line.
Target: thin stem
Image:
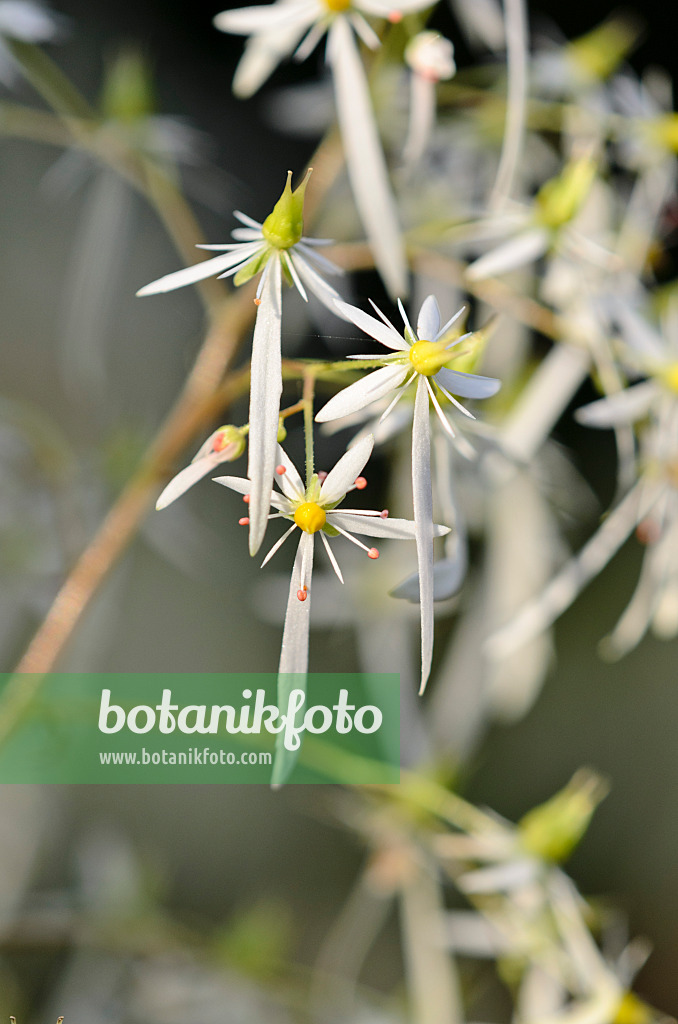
[(515, 18)]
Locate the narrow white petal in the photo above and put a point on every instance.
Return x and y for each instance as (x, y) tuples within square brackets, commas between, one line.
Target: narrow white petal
[(198, 272), (384, 333), (343, 476), (445, 328), (235, 483), (365, 160), (265, 391), (188, 476), (290, 482), (248, 221), (294, 651), (244, 235), (539, 613), (316, 258), (374, 526), (263, 53), (289, 264), (468, 385), (529, 245), (423, 518), (368, 389), (386, 8), (364, 31), (623, 407), (278, 544), (444, 422), (309, 43), (293, 665), (316, 284), (245, 21), (428, 321), (330, 555)]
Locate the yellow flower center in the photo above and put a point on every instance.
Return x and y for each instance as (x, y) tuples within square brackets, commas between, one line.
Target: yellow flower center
[(337, 6), (310, 517), (669, 376), (428, 356)]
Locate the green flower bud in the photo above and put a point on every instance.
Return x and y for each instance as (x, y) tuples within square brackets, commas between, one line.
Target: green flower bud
[(282, 432), (230, 441), (128, 90), (552, 830), (559, 199), (284, 227), (601, 51)]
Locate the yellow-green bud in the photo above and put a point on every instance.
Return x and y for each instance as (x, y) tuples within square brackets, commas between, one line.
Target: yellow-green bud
[(600, 51), (552, 830), (632, 1010), (282, 432), (559, 199), (284, 226), (128, 92), (470, 350), (230, 440)]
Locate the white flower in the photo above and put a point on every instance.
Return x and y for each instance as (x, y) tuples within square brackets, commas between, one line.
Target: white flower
[(279, 29), (431, 58), (421, 356), (226, 444), (312, 509), (27, 22), (275, 247)]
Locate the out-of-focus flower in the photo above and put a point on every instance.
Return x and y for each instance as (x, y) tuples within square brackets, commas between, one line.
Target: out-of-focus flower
[(27, 22), (431, 58), (273, 248)]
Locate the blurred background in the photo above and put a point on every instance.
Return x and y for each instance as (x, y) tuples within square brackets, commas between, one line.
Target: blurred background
[(209, 904)]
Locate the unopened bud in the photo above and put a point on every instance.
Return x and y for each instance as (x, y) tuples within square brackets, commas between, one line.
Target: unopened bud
[(553, 829)]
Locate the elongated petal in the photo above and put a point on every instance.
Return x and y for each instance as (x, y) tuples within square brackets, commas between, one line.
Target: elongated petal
[(245, 21), (518, 251), (468, 385), (263, 53), (294, 652), (349, 466), (423, 519), (198, 272), (290, 482), (314, 281), (623, 407), (235, 483), (365, 391), (265, 391), (365, 160), (374, 526), (382, 332), (428, 321), (188, 476), (386, 8)]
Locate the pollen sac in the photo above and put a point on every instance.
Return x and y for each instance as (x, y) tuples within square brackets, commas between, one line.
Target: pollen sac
[(427, 357), (310, 517)]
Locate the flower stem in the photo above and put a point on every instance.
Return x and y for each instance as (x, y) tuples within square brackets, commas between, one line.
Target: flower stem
[(307, 402)]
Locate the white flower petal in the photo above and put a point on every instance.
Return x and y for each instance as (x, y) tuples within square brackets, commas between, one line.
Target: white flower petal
[(623, 407), (188, 476), (316, 258), (468, 385), (245, 21), (365, 160), (316, 284), (248, 221), (330, 555), (294, 653), (262, 55), (198, 272), (236, 483), (343, 476), (387, 8), (374, 526), (265, 391), (290, 482), (365, 391), (382, 332), (428, 321), (423, 518), (529, 245)]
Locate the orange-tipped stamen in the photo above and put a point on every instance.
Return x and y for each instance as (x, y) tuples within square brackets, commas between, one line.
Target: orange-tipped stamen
[(384, 513), (395, 17), (246, 498), (373, 553), (303, 593), (280, 470), (245, 521), (257, 302), (361, 483), (322, 475)]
